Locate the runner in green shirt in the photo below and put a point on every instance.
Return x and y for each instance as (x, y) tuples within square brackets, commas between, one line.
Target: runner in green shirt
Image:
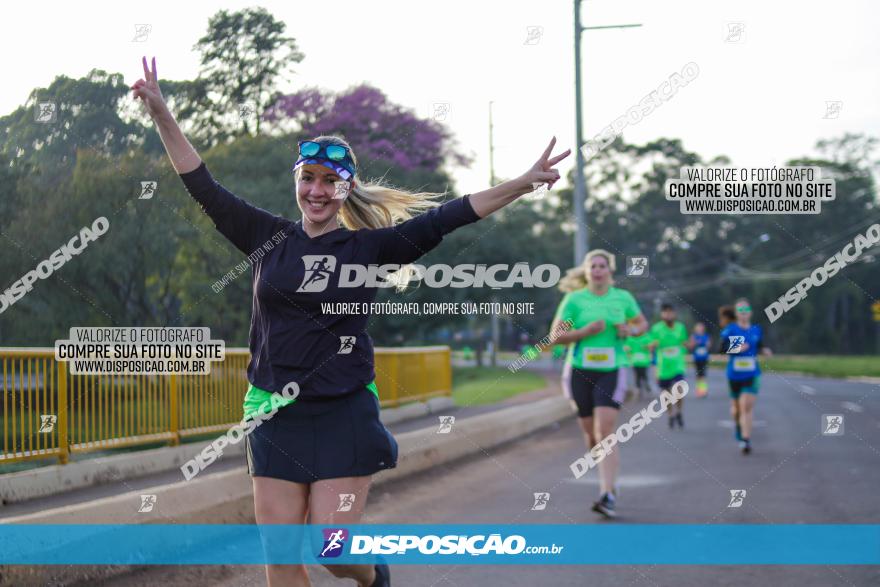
[(669, 338), (601, 317), (636, 348)]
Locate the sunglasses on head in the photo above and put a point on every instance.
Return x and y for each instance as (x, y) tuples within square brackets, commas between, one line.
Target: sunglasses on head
[(314, 149)]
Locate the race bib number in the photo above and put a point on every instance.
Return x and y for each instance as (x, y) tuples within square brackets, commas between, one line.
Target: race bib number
[(671, 352), (595, 357), (701, 351), (744, 364), (641, 357)]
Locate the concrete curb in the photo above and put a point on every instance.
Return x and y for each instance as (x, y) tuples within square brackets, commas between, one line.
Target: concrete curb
[(864, 379), (227, 498), (423, 449), (417, 410), (54, 479)]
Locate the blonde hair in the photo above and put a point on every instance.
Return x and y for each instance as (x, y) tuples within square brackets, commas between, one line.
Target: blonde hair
[(578, 277), (374, 205)]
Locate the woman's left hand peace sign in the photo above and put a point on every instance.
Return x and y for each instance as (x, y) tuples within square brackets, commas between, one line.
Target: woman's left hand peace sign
[(542, 171)]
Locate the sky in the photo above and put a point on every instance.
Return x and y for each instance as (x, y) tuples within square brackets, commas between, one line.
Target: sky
[(759, 97)]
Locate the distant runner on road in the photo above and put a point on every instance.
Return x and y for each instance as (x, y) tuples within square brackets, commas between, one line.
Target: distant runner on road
[(699, 344), (668, 338), (640, 357), (743, 340)]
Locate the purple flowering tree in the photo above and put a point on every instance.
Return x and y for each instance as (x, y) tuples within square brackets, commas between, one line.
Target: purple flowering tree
[(380, 132)]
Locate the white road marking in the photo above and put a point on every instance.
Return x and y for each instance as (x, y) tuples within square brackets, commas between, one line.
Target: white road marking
[(627, 481), (852, 407), (808, 390)]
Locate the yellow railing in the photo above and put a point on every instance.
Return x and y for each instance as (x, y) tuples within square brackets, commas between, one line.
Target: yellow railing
[(48, 412), (408, 374)]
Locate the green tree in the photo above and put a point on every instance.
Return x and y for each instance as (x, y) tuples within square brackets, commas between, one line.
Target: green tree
[(81, 113), (240, 65)]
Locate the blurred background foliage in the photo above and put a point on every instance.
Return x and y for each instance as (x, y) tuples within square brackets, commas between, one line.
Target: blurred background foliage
[(156, 265)]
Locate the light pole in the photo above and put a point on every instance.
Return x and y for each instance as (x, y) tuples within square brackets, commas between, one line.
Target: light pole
[(493, 358), (580, 185)]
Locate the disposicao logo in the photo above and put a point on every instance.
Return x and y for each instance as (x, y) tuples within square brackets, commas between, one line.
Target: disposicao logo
[(320, 268), (334, 542), (735, 344)]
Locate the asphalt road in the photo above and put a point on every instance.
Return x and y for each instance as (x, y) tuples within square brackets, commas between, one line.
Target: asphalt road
[(794, 475)]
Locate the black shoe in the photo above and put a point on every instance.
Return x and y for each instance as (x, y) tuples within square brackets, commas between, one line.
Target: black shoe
[(605, 506), (680, 420), (745, 446), (383, 576)]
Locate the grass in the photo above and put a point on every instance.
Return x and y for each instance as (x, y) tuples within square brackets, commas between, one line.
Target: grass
[(834, 366), (824, 365), (476, 386)]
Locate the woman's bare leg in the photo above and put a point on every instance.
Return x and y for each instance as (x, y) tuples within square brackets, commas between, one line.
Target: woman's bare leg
[(587, 429), (326, 497), (746, 407), (282, 502), (605, 419), (734, 413)]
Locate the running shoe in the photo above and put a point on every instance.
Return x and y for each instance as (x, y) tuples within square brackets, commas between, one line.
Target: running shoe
[(745, 446), (702, 389), (605, 506), (383, 575)]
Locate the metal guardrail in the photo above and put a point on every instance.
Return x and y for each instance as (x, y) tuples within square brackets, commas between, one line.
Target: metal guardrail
[(48, 412)]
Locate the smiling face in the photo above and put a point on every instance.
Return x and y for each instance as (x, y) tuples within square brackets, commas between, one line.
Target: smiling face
[(315, 191)]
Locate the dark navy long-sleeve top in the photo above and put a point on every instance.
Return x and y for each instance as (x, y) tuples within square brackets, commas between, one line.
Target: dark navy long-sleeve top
[(291, 339)]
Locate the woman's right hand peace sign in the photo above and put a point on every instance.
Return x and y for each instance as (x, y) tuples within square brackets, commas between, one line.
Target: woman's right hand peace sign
[(148, 91), (542, 171)]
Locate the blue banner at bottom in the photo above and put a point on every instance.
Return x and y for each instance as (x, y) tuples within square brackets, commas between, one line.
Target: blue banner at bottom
[(568, 544)]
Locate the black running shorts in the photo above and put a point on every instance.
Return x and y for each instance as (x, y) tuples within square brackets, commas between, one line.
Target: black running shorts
[(591, 389), (316, 439)]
